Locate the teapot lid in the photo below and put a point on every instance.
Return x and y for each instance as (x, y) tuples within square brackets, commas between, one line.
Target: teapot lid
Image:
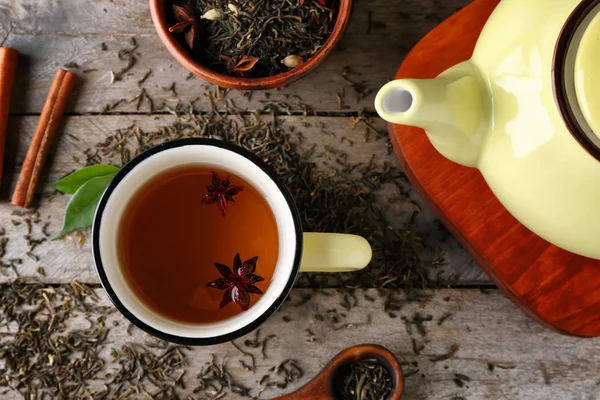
[(576, 75), (587, 74)]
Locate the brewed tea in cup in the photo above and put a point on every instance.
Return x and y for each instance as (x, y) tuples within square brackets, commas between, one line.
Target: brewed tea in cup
[(198, 241)]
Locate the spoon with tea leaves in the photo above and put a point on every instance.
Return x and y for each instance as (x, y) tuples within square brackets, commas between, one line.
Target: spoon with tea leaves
[(362, 372)]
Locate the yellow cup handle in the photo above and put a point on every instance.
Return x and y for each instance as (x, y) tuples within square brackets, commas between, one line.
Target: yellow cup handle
[(329, 252)]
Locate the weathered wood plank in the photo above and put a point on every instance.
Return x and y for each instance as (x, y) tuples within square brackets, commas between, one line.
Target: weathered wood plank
[(530, 362), (50, 34), (125, 17), (64, 261)]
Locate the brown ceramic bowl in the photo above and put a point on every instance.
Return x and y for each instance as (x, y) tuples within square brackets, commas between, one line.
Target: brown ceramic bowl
[(181, 54)]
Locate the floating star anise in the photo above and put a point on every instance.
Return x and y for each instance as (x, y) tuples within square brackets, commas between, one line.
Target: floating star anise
[(187, 21), (239, 283), (221, 191)]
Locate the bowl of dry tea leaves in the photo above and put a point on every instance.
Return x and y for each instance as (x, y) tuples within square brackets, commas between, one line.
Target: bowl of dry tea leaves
[(250, 44)]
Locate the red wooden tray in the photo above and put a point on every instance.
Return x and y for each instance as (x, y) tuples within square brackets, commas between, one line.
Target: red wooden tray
[(559, 289)]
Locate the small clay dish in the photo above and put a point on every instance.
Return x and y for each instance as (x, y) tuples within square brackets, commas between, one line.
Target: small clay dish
[(182, 55)]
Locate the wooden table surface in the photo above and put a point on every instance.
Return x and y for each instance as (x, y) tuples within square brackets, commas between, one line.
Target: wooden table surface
[(534, 362)]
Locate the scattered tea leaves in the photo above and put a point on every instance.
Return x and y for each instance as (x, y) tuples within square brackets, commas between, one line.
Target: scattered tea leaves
[(247, 354), (58, 364), (216, 382)]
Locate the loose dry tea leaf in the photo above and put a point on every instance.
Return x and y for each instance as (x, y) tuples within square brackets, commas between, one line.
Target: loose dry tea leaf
[(143, 78), (492, 366), (417, 348), (444, 318), (263, 347), (254, 343), (419, 321), (247, 354), (127, 55), (443, 357)]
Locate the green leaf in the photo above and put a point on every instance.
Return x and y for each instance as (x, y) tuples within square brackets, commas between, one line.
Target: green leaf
[(82, 207), (74, 181)]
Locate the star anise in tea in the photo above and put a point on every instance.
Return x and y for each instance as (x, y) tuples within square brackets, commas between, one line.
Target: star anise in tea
[(221, 192), (187, 23), (240, 65), (239, 283)]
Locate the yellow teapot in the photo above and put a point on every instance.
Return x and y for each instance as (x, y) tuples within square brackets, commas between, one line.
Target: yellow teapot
[(525, 111)]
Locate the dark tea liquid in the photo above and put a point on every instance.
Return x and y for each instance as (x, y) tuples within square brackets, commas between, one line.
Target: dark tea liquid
[(169, 241)]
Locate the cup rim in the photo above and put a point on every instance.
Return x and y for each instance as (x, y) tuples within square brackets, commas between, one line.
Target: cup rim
[(271, 173)]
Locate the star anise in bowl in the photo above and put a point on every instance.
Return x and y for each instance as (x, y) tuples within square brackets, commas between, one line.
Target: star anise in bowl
[(186, 22)]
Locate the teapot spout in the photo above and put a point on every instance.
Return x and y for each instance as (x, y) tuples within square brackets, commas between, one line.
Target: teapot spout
[(454, 110)]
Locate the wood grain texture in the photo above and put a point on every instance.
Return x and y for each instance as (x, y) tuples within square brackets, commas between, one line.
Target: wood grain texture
[(528, 361), (64, 261), (557, 288), (50, 34)]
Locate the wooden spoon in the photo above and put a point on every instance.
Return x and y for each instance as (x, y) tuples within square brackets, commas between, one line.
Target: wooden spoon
[(322, 387)]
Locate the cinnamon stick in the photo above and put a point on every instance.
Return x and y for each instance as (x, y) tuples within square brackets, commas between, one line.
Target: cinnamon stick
[(42, 138), (8, 73)]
